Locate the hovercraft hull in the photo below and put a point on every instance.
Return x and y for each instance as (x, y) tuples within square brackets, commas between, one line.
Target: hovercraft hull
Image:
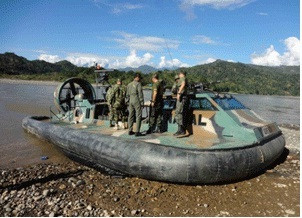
[(157, 161)]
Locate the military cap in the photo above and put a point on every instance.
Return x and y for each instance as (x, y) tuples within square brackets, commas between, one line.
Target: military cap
[(119, 80), (176, 77), (155, 75), (138, 75)]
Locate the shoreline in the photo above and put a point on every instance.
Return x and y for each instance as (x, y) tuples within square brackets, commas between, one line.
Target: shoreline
[(31, 82)]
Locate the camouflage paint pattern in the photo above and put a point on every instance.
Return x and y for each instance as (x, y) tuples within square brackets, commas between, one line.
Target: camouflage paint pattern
[(210, 129)]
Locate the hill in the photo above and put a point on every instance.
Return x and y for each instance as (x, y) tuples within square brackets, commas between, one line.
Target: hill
[(246, 78), (232, 77), (13, 64), (144, 69)]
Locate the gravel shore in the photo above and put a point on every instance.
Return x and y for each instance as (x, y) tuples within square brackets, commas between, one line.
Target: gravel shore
[(71, 189), (76, 190)]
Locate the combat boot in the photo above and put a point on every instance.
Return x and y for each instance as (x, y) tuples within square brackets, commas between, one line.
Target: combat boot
[(116, 127), (158, 130), (110, 123), (137, 134), (182, 131), (150, 130), (178, 131)]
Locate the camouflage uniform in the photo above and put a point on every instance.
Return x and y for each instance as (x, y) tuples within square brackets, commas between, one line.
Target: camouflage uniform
[(157, 109), (109, 98), (175, 85), (118, 103), (181, 102), (136, 102)]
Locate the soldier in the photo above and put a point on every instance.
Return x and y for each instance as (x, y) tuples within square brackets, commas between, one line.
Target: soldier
[(174, 87), (109, 98), (156, 107), (180, 103), (119, 104), (136, 103)]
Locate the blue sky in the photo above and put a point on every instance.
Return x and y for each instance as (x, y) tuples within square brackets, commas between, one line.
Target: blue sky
[(135, 32)]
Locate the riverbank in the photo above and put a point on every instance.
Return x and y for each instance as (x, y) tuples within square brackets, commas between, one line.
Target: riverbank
[(71, 189), (75, 190), (32, 82)]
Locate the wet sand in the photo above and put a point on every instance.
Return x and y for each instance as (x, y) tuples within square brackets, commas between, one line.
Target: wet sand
[(71, 189)]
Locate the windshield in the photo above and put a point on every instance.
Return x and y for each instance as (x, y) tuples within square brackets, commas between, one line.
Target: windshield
[(229, 103)]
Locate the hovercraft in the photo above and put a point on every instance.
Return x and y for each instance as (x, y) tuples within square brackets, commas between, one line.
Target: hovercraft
[(225, 141)]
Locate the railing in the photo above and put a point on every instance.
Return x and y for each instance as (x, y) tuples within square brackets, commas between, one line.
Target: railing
[(51, 112)]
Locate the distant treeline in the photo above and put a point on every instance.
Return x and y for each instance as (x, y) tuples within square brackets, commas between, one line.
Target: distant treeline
[(219, 76)]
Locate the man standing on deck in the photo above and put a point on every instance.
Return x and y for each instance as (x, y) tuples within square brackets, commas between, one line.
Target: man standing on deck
[(180, 103), (109, 98), (119, 104), (175, 84), (156, 106), (136, 103)]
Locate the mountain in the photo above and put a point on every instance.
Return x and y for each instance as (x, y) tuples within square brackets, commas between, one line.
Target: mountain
[(143, 69), (246, 78), (66, 65), (13, 64), (278, 69), (221, 76)]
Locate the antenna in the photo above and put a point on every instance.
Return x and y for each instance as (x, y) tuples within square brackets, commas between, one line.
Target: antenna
[(169, 51)]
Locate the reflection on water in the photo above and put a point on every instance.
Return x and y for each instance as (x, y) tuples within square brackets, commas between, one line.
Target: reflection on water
[(280, 109), (20, 100)]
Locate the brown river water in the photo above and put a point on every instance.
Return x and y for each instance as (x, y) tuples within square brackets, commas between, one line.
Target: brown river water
[(17, 101)]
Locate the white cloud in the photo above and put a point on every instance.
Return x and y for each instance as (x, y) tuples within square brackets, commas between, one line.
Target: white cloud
[(271, 57), (39, 51), (208, 61), (88, 60), (119, 8), (132, 60), (218, 4), (201, 39), (49, 58), (171, 63), (230, 60), (144, 43), (188, 5), (262, 14)]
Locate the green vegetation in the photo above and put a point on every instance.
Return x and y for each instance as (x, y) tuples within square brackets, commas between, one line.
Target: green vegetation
[(232, 77)]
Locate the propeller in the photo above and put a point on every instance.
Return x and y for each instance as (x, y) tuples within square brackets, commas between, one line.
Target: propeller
[(64, 96)]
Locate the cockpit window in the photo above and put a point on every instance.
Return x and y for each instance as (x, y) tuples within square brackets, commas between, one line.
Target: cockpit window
[(195, 104), (229, 103), (201, 104)]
